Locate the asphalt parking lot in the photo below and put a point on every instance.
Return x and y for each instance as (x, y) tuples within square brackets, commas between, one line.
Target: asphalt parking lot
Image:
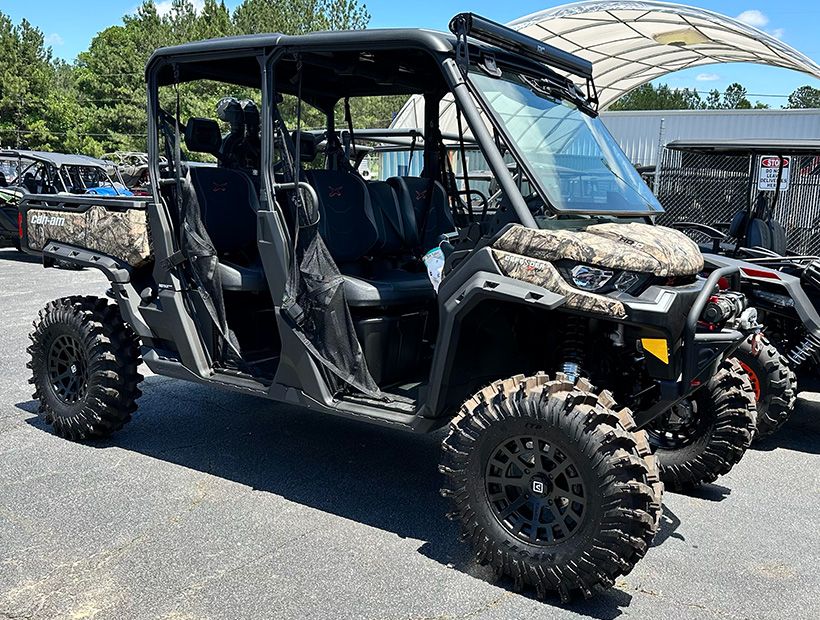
[(214, 505)]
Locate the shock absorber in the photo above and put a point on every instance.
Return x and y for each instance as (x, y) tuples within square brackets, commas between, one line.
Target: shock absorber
[(573, 348), (808, 348)]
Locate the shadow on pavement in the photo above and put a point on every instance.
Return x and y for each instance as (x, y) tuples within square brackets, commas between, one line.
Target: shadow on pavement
[(11, 254), (380, 477), (668, 527), (801, 432), (710, 492)]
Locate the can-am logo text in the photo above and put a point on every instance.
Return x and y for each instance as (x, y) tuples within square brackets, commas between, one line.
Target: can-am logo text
[(50, 220)]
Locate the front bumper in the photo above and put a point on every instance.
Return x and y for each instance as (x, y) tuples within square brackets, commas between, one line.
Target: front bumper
[(693, 354)]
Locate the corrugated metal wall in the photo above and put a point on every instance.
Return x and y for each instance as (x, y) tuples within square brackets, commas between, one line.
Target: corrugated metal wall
[(394, 163), (639, 132)]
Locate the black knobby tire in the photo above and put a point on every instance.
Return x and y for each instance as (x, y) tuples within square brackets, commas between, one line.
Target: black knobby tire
[(84, 363), (606, 490), (773, 382), (717, 437)]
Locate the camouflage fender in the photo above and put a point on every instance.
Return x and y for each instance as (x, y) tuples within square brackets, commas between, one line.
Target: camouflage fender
[(122, 234), (637, 247), (544, 274)]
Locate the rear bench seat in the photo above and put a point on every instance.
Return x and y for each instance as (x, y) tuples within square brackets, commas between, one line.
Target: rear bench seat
[(369, 230)]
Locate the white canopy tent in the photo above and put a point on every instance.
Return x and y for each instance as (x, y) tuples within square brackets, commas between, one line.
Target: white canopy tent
[(632, 43)]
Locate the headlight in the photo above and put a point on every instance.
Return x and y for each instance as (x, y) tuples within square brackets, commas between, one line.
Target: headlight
[(588, 278), (601, 280)]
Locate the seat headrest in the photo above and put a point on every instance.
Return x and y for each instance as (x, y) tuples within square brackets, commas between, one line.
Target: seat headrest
[(250, 112), (230, 110), (308, 149), (202, 135)]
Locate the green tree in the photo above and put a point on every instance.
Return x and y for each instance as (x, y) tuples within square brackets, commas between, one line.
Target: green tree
[(110, 75), (804, 97), (661, 97), (299, 16), (97, 103), (734, 98), (27, 74)]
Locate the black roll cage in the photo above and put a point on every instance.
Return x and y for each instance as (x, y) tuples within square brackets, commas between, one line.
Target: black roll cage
[(267, 59)]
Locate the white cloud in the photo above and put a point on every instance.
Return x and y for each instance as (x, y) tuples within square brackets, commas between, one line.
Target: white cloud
[(164, 7), (53, 39), (778, 33), (753, 17), (707, 77)]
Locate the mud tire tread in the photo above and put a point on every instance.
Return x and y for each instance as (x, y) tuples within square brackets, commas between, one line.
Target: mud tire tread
[(630, 485), (728, 436), (113, 358), (773, 370)]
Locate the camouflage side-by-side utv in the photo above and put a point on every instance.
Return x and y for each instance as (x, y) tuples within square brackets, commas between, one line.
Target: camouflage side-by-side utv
[(288, 276)]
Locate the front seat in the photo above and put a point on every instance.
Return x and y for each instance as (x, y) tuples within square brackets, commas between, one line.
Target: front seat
[(425, 210), (350, 231)]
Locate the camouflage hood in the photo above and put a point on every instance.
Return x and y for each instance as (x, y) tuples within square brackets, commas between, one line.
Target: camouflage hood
[(637, 247)]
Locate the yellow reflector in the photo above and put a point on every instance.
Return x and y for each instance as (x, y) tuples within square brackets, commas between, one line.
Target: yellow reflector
[(657, 347)]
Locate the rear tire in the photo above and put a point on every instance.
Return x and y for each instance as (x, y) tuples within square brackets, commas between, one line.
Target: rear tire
[(84, 362), (581, 513), (714, 437), (773, 382)]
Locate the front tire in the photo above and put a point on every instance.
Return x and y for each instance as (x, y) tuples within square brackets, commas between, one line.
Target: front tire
[(552, 487), (705, 437), (84, 362), (773, 382)]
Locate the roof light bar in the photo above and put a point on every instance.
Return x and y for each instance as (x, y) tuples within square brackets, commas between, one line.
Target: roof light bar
[(488, 31)]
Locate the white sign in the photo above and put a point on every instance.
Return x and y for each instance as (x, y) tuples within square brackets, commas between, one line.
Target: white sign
[(767, 170)]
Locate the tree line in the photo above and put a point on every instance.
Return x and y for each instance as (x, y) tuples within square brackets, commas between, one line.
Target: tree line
[(97, 103), (735, 97)]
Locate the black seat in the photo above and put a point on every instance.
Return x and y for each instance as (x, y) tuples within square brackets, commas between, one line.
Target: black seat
[(351, 232), (228, 203), (228, 206), (381, 285), (778, 237), (393, 238), (346, 221), (423, 204), (737, 228)]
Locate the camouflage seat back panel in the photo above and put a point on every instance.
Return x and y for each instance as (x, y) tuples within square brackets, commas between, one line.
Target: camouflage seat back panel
[(122, 234)]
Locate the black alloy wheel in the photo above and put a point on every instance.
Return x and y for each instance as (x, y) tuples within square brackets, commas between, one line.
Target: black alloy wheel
[(535, 490), (68, 369)]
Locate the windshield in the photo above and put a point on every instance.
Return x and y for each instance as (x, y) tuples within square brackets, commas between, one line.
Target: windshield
[(9, 169), (574, 159)]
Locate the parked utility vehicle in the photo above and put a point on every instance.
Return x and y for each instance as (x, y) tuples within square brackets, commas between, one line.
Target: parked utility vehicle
[(782, 286), (39, 172), (296, 280)]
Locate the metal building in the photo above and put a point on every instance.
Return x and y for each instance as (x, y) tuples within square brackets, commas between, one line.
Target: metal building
[(642, 134)]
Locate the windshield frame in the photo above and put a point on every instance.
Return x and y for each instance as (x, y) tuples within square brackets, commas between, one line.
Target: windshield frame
[(536, 180)]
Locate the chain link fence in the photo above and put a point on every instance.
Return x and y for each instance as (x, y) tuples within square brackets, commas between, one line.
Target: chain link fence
[(711, 188)]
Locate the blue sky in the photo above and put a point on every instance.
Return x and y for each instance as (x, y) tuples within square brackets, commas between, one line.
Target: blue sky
[(69, 27)]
